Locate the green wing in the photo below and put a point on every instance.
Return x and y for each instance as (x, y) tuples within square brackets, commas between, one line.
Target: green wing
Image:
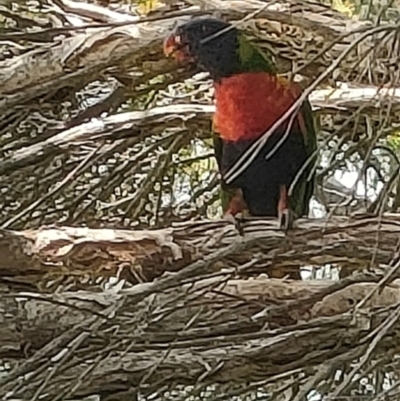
[(303, 190)]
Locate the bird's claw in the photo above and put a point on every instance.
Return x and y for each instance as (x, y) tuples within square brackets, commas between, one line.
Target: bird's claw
[(286, 218), (236, 220)]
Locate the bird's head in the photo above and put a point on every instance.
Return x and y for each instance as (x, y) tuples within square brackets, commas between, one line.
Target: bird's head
[(199, 42)]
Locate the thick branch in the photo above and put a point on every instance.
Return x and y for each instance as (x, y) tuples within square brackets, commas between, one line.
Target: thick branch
[(32, 256)]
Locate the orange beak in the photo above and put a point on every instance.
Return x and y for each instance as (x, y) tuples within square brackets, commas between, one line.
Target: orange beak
[(170, 45), (173, 47)]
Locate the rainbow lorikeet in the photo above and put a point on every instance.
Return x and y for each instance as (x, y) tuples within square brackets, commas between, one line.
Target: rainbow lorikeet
[(249, 98)]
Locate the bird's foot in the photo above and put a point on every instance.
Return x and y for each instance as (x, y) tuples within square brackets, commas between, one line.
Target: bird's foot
[(236, 220), (286, 219)]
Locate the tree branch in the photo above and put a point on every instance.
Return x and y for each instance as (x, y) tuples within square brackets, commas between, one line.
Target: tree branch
[(67, 254), (297, 34), (196, 117)]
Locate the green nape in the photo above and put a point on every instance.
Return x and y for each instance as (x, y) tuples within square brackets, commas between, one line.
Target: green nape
[(253, 58)]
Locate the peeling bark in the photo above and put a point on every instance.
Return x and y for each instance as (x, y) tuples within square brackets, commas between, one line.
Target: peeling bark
[(60, 254)]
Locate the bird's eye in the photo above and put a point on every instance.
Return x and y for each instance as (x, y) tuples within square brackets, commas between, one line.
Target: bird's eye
[(178, 39)]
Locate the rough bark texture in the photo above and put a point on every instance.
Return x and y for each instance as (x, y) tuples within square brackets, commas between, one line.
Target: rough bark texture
[(55, 254), (216, 329), (294, 28)]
